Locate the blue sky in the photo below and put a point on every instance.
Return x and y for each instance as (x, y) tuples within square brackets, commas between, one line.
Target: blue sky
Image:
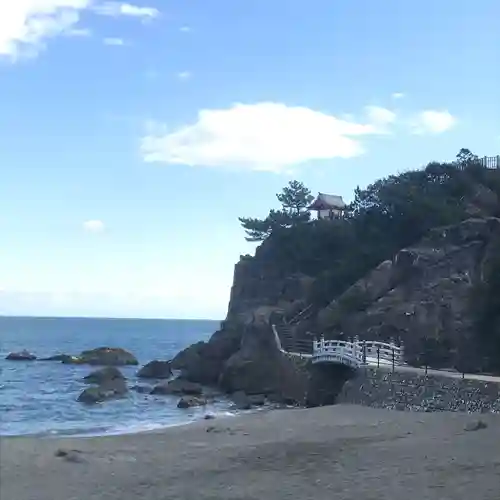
[(133, 135)]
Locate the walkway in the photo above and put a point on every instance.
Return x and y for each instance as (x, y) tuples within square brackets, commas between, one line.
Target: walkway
[(366, 353)]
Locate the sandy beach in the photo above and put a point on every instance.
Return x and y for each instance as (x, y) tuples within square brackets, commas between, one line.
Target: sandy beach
[(341, 452)]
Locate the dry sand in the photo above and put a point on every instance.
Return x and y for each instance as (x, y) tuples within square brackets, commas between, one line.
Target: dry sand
[(340, 452)]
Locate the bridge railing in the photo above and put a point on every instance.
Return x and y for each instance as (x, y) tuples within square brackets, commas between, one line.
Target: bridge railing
[(382, 351), (342, 349)]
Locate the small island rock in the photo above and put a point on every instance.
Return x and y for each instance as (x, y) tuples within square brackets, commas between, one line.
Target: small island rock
[(23, 355), (104, 375), (113, 389), (106, 356)]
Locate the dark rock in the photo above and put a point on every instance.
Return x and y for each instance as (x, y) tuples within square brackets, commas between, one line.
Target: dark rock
[(74, 456), (257, 399), (107, 374), (113, 389), (190, 401), (476, 425), (141, 389), (23, 355), (64, 358), (106, 356), (259, 368), (241, 400), (204, 361), (72, 360), (155, 369), (209, 416), (178, 386)]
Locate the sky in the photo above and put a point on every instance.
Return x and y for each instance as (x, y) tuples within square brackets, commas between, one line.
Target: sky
[(133, 135)]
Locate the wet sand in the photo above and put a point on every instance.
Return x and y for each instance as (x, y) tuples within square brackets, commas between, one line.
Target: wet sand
[(340, 452)]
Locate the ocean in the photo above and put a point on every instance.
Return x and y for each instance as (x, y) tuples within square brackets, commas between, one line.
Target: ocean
[(39, 398)]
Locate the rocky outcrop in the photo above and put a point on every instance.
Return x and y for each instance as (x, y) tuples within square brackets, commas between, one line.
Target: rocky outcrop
[(63, 358), (155, 369), (243, 356), (104, 375), (422, 296), (178, 386), (21, 356), (109, 390), (104, 356)]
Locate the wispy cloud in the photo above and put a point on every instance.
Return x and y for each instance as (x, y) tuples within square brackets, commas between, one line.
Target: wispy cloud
[(398, 95), (432, 121), (27, 25), (113, 41), (184, 75), (263, 136), (79, 32), (116, 9), (94, 226), (185, 29)]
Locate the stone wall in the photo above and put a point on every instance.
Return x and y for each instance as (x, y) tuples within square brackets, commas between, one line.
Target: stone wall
[(414, 392)]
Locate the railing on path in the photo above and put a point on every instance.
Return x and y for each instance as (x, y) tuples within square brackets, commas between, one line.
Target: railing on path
[(354, 353), (490, 161)]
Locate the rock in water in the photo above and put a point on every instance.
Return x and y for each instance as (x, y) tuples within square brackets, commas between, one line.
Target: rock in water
[(23, 355), (64, 358), (107, 356), (113, 389), (155, 369), (178, 386), (104, 375), (190, 401)]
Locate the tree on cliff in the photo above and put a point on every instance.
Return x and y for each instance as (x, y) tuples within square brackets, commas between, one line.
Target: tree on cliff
[(294, 199)]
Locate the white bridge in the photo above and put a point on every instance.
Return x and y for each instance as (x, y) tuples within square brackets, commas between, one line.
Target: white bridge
[(354, 353)]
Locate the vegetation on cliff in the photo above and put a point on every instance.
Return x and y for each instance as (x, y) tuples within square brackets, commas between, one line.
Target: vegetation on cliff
[(391, 214), (388, 215)]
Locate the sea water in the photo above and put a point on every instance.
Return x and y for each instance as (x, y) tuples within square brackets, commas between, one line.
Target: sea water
[(39, 397)]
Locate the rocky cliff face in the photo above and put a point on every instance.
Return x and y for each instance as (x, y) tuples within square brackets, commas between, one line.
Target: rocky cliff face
[(422, 296)]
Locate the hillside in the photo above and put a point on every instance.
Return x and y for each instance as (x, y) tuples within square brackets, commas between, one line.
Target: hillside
[(416, 257)]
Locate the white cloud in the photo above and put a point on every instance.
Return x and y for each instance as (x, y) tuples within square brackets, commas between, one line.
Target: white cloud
[(113, 41), (264, 136), (380, 117), (94, 226), (185, 29), (184, 75), (79, 32), (116, 9), (398, 95), (433, 122), (26, 25)]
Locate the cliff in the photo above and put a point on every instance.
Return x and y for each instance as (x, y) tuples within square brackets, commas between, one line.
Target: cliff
[(406, 263), (423, 297)]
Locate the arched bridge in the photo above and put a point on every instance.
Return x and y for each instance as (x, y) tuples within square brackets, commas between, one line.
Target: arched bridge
[(354, 353)]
